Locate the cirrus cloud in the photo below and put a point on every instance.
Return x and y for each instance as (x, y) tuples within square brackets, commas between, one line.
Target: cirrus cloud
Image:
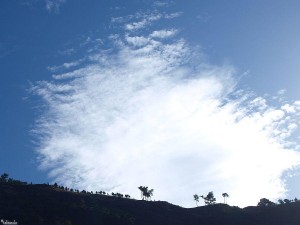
[(149, 114)]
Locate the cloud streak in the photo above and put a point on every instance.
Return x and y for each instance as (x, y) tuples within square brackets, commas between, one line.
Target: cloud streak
[(148, 113), (163, 33), (67, 65)]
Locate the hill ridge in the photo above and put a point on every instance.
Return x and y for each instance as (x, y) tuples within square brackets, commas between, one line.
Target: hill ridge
[(42, 204)]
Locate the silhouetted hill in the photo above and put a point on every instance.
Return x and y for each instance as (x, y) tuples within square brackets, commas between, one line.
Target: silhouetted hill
[(49, 205)]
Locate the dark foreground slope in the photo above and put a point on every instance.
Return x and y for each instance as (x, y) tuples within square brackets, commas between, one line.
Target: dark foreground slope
[(46, 205)]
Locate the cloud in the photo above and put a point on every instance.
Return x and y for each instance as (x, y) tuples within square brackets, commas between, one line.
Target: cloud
[(145, 21), (117, 19), (289, 108), (147, 113), (141, 20), (69, 51), (282, 92), (163, 33), (67, 65), (173, 15), (163, 3), (54, 5), (137, 40)]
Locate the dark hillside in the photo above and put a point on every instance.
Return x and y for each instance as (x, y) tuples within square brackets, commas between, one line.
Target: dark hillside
[(47, 205)]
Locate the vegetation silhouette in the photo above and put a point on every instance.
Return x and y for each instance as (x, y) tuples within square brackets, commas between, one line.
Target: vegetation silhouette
[(145, 193), (265, 202), (209, 199), (196, 198), (225, 196), (45, 204)]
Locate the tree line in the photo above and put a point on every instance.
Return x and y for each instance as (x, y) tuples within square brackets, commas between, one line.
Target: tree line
[(4, 178), (209, 199), (147, 193), (266, 202)]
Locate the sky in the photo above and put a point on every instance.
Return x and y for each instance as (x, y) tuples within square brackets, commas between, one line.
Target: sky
[(184, 98)]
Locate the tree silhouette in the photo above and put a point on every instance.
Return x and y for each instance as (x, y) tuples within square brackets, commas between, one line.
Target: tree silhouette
[(209, 199), (196, 198), (225, 196), (145, 193), (149, 193), (287, 201), (142, 189), (4, 177), (265, 202)]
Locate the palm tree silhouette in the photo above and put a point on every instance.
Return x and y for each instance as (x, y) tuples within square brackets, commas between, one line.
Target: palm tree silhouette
[(145, 193), (142, 189), (225, 196), (149, 193)]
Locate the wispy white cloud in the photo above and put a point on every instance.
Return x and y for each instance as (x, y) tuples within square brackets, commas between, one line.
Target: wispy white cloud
[(82, 43), (54, 5), (280, 96), (282, 92), (141, 20), (137, 40), (145, 21), (117, 19), (68, 51), (163, 33), (172, 15), (163, 3), (145, 115), (67, 65)]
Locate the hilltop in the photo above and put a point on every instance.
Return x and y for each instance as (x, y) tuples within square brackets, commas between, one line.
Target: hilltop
[(42, 204)]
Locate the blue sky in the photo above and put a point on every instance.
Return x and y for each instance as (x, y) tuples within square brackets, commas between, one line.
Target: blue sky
[(226, 54)]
